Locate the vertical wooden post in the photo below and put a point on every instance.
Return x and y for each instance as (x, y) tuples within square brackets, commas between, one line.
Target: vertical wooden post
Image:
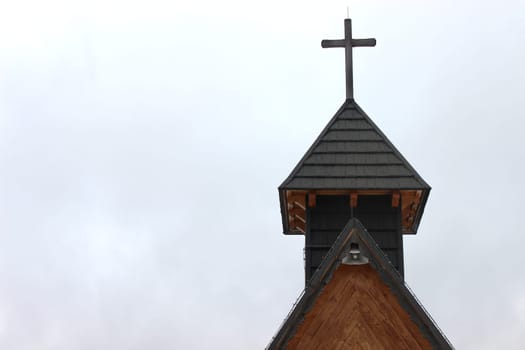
[(311, 199), (353, 199)]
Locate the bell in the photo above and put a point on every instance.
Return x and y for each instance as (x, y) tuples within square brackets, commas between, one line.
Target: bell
[(354, 256)]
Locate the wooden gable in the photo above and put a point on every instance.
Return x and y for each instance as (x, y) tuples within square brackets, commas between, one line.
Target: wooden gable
[(357, 310), (357, 306)]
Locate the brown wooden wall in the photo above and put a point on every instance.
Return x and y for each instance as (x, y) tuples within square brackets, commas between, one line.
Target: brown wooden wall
[(357, 310)]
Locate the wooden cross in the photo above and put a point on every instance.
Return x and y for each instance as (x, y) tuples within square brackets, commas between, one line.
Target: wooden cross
[(348, 43)]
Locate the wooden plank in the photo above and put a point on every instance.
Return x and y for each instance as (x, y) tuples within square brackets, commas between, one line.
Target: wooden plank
[(300, 218), (396, 198), (296, 207), (410, 202), (311, 199), (353, 199), (297, 203), (297, 223), (296, 211)]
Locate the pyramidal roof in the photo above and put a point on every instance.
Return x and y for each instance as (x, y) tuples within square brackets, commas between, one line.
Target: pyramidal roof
[(353, 153), (357, 306)]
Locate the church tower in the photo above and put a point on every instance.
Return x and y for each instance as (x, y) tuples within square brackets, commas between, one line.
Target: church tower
[(352, 170), (353, 196)]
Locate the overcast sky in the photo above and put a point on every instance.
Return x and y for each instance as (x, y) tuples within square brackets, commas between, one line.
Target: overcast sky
[(142, 143)]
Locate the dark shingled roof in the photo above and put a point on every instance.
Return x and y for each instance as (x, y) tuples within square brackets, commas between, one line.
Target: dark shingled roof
[(353, 153), (354, 232)]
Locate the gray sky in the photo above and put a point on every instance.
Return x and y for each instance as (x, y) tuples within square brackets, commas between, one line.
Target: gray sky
[(141, 144)]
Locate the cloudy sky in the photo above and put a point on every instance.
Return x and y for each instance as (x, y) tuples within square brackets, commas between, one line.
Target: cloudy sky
[(142, 142)]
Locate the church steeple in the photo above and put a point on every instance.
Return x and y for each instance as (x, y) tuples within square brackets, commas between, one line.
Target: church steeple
[(352, 170), (353, 196)]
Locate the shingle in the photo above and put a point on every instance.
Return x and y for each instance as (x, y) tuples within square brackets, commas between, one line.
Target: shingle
[(351, 147), (352, 135), (353, 153), (352, 183), (348, 113), (351, 125), (353, 158), (353, 171)]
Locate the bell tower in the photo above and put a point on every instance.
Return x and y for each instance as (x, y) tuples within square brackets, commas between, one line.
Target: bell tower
[(352, 170)]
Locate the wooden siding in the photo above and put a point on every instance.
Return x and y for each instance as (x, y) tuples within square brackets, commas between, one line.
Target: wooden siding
[(383, 222), (330, 215), (357, 310), (325, 223)]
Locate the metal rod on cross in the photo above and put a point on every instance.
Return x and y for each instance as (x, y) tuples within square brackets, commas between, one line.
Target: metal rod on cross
[(348, 42)]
